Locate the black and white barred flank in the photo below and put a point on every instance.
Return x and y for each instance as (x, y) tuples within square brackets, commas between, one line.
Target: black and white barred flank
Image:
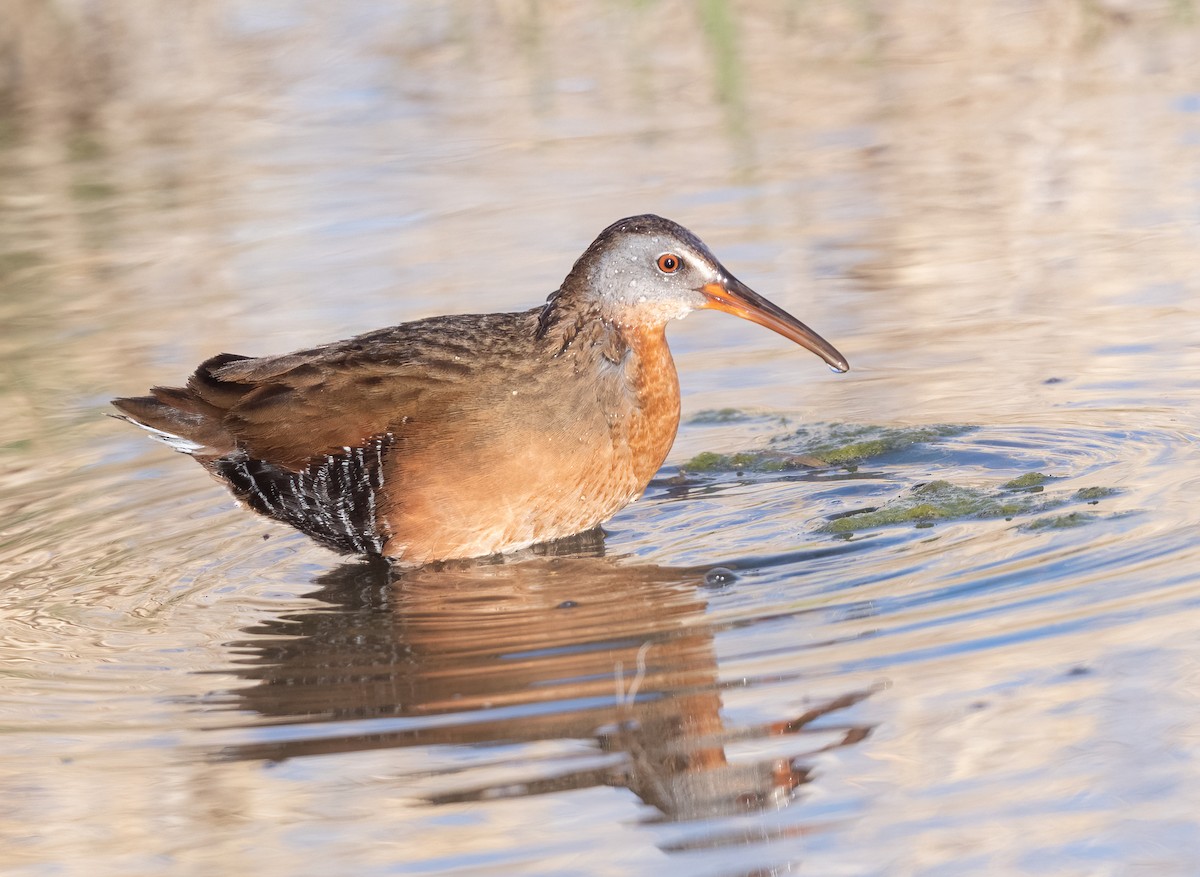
[(334, 500)]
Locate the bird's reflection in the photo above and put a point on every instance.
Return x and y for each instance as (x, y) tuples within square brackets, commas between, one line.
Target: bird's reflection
[(581, 646)]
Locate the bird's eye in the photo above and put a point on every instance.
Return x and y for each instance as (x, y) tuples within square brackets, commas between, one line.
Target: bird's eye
[(668, 263)]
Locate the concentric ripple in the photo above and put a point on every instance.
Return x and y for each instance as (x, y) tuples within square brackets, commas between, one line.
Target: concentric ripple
[(679, 661)]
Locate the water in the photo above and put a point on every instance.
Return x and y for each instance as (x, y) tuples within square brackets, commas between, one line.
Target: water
[(992, 211)]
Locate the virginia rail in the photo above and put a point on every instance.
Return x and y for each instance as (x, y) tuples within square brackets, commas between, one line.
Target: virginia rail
[(467, 435)]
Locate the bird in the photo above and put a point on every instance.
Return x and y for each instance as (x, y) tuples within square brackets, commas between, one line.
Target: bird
[(468, 435)]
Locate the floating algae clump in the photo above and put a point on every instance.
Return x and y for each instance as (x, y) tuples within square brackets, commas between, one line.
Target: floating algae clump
[(754, 461), (1092, 494), (935, 501), (1061, 522), (924, 505), (1031, 481), (821, 447), (850, 444), (943, 501), (705, 461)]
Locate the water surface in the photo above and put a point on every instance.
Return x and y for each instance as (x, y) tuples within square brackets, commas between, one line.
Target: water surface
[(991, 210)]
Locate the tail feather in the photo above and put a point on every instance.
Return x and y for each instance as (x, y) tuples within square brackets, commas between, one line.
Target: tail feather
[(188, 431), (189, 419), (186, 402)]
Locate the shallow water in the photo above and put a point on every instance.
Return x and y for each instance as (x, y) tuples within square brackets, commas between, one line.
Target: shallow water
[(991, 210)]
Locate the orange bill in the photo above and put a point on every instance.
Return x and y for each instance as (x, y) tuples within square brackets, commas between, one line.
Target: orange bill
[(734, 297)]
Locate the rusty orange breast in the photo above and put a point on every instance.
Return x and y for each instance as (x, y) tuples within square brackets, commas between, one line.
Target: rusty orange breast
[(655, 420)]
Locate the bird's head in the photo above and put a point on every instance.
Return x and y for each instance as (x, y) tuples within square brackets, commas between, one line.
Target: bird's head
[(649, 270)]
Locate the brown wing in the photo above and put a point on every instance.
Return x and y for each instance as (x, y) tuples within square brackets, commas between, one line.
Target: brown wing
[(288, 413), (289, 409)]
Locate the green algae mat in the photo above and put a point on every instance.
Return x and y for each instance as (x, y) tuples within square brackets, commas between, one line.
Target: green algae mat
[(1035, 500)]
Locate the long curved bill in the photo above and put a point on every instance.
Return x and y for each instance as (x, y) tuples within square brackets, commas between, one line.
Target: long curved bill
[(730, 295)]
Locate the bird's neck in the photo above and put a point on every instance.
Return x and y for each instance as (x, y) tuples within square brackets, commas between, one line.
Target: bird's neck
[(653, 374), (570, 317), (627, 367), (634, 354)]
